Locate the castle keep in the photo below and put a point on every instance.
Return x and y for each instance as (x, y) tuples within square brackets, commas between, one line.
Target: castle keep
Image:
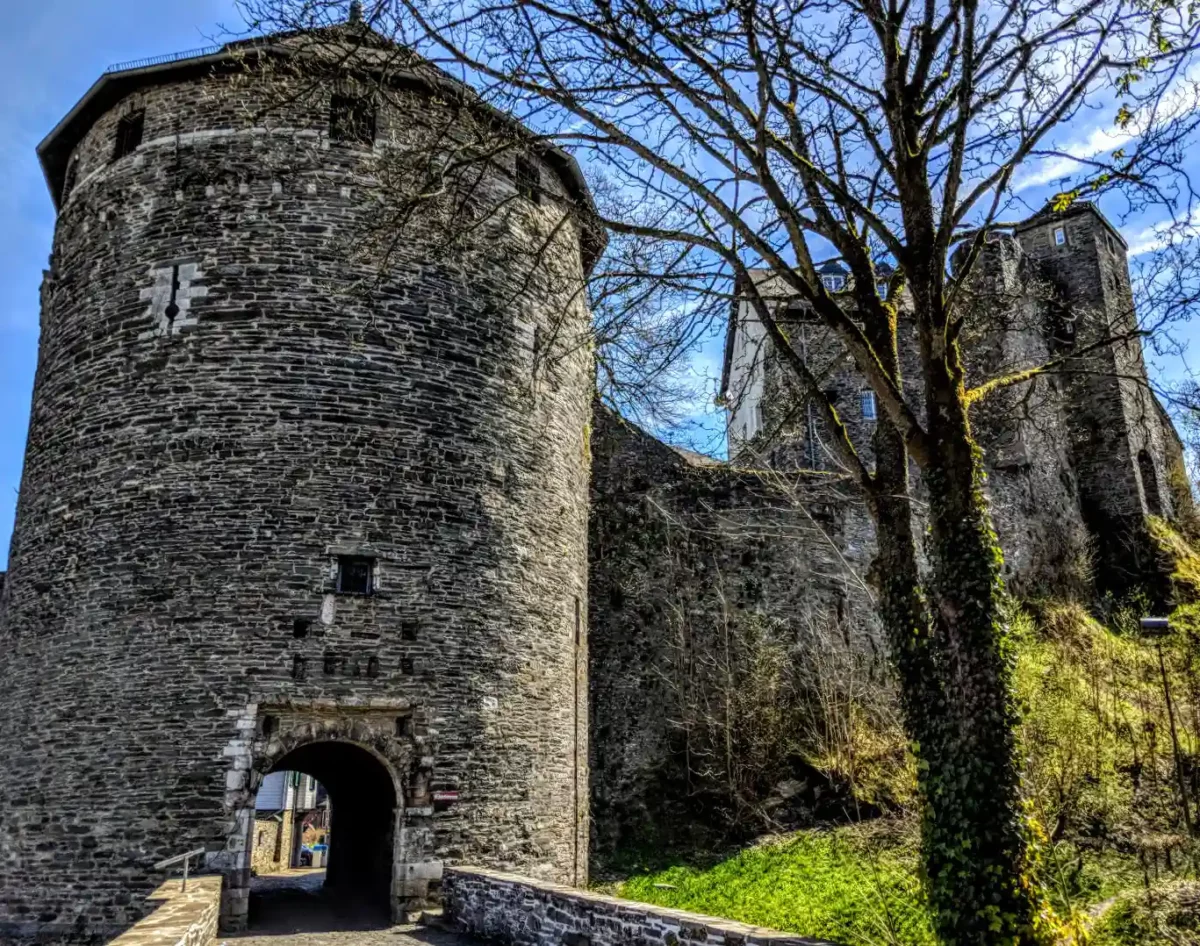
[(267, 521), (281, 513)]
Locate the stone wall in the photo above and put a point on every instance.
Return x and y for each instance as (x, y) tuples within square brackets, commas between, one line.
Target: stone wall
[(518, 911), (178, 917), (221, 411), (272, 846), (694, 566)]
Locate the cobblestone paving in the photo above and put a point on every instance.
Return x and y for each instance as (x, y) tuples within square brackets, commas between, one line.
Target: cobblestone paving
[(393, 936), (292, 909)]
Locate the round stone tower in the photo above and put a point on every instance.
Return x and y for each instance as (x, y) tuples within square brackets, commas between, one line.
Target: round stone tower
[(286, 507)]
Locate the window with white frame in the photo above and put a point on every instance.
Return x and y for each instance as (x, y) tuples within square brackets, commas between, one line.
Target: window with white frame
[(1060, 236), (866, 400), (833, 283)]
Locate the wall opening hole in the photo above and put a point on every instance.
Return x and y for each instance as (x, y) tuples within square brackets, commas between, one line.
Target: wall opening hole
[(129, 134), (408, 631), (299, 667), (355, 575), (529, 180), (404, 726), (406, 666), (330, 665), (270, 725), (301, 628), (352, 119), (372, 666)]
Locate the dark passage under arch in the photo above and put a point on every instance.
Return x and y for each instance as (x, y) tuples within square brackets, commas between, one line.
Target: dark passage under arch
[(358, 878)]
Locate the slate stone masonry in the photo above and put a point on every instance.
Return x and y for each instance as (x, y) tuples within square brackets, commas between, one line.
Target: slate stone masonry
[(518, 911), (218, 417)]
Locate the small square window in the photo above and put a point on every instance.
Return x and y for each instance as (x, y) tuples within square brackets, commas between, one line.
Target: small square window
[(352, 119), (129, 134), (355, 575), (833, 283), (529, 180), (867, 400), (301, 627), (1060, 236)]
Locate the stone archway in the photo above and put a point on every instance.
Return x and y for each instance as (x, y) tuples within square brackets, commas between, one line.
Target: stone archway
[(360, 872), (365, 759)]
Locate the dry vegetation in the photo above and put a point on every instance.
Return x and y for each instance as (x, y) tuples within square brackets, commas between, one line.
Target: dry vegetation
[(1114, 799)]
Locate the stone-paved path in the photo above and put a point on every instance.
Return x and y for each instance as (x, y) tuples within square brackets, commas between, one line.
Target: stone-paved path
[(392, 936), (291, 909)]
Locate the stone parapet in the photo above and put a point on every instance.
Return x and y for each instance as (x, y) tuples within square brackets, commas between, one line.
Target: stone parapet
[(519, 911), (180, 917)]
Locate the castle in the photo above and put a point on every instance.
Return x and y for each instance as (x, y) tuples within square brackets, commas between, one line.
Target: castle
[(269, 521)]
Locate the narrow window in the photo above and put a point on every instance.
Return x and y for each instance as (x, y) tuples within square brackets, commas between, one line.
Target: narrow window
[(867, 400), (129, 134), (404, 726), (299, 667), (270, 725), (330, 666), (372, 667), (408, 631), (406, 666), (69, 180), (1060, 236), (355, 575), (529, 180), (352, 119), (758, 417), (881, 288)]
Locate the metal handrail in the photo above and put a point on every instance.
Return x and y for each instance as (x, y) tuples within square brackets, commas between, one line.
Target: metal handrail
[(160, 60), (185, 858)]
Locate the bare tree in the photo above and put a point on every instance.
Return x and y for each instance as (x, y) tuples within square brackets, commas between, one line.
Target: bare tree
[(728, 137)]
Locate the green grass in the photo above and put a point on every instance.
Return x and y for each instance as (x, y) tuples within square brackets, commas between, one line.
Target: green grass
[(856, 886)]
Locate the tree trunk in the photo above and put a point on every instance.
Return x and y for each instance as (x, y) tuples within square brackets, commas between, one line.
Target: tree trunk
[(975, 838), (948, 647)]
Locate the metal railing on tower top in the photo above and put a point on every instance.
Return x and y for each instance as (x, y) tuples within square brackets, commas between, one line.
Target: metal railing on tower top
[(160, 60)]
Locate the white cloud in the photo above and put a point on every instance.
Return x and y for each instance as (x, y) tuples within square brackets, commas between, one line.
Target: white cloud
[(1158, 235), (1100, 141)]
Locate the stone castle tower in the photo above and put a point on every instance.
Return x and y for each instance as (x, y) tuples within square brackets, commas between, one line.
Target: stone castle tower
[(269, 520), (1080, 456)]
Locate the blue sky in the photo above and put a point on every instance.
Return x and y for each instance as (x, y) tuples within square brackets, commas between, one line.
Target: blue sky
[(50, 53)]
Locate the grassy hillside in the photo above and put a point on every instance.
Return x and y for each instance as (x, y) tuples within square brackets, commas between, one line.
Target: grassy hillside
[(1105, 784), (853, 885)]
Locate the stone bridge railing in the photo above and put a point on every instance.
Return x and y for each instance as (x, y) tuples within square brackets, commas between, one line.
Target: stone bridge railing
[(518, 911), (180, 917)]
